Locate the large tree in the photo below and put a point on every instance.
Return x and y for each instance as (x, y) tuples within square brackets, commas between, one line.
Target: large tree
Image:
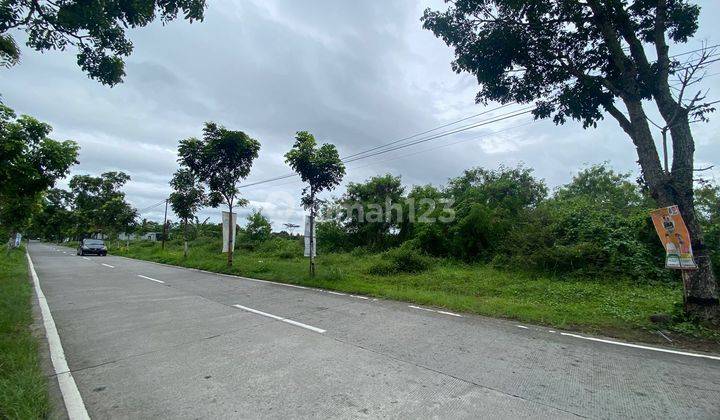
[(321, 168), (99, 204), (30, 163), (95, 27), (584, 59), (220, 160), (187, 198)]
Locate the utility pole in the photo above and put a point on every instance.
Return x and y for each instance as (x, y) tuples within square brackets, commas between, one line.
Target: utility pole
[(165, 225)]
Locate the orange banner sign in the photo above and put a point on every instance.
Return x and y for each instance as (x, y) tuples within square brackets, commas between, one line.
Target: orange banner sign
[(675, 238)]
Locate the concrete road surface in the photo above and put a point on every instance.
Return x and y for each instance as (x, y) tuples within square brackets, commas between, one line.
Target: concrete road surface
[(144, 340)]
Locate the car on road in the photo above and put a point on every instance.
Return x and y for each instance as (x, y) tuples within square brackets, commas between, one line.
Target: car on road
[(92, 246)]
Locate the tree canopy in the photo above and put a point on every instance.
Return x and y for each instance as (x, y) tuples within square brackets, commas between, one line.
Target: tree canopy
[(95, 27), (30, 163), (320, 167), (99, 204), (579, 60)]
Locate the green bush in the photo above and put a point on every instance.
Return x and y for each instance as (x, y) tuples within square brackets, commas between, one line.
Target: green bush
[(281, 248), (404, 259)]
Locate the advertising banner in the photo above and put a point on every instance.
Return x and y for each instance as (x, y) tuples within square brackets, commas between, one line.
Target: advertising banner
[(675, 238), (307, 237), (227, 225)]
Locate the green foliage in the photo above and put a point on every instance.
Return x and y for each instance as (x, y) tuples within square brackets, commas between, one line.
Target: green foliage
[(96, 28), (563, 53), (372, 211), (707, 203), (188, 195), (220, 160), (320, 167), (30, 163), (404, 259), (99, 204), (258, 228)]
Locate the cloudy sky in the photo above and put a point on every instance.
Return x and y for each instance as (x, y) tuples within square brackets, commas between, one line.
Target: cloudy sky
[(355, 73)]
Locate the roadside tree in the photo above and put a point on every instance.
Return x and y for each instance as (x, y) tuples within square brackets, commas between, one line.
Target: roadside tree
[(30, 163), (319, 167), (220, 160), (187, 198), (581, 60)]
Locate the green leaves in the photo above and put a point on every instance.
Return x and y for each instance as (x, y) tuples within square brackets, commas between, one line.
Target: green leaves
[(320, 167), (561, 52), (99, 205), (220, 160), (30, 163), (188, 195), (95, 27)]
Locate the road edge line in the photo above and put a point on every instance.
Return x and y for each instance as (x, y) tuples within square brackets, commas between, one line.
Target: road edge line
[(74, 404), (640, 346)]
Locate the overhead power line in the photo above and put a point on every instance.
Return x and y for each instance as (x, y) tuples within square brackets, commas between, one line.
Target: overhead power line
[(402, 146), (377, 150), (429, 131)]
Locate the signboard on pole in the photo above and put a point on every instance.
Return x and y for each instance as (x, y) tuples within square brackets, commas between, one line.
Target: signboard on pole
[(227, 225), (675, 238), (18, 239), (307, 237)]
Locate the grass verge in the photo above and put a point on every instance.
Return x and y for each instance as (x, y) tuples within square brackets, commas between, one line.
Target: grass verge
[(613, 307), (23, 387)]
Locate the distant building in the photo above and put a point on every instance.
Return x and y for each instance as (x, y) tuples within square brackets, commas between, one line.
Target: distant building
[(152, 236), (127, 236)]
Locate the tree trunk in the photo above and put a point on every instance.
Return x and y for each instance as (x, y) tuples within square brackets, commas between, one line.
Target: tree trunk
[(701, 294), (231, 246), (185, 242), (312, 237), (676, 188)]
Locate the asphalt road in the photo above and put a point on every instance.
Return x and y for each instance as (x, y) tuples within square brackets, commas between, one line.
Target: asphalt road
[(145, 340)]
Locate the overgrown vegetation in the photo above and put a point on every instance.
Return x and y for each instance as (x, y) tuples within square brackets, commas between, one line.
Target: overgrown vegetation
[(596, 226), (23, 387)]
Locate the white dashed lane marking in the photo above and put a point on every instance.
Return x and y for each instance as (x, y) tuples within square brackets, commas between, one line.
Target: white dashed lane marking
[(279, 318), (108, 265), (151, 279)]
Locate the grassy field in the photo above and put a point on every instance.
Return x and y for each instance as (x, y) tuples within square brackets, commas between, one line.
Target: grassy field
[(23, 387), (614, 307)]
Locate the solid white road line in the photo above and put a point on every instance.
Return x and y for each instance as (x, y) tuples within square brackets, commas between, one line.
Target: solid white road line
[(336, 293), (450, 313), (151, 279), (73, 400), (108, 265), (638, 346), (436, 311), (279, 318)]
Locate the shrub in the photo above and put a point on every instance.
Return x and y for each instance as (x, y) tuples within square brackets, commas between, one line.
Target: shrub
[(404, 259), (280, 248)]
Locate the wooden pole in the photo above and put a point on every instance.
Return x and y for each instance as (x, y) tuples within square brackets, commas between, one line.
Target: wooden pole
[(164, 225)]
